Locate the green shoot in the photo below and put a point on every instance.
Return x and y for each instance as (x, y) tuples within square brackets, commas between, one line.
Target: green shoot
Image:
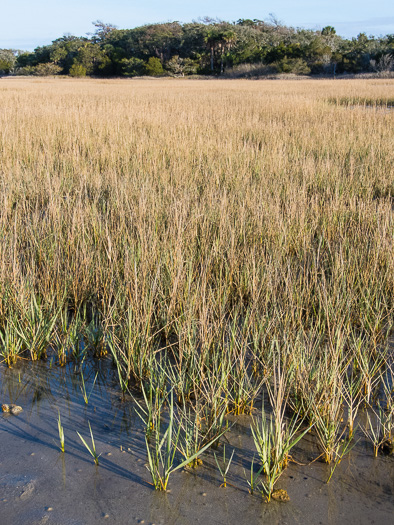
[(341, 451), (83, 388), (253, 477), (161, 458), (225, 467), (61, 433), (92, 451)]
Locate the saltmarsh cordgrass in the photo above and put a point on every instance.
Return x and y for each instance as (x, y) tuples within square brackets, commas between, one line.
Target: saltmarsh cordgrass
[(95, 338), (68, 336), (161, 455), (253, 479), (343, 448), (388, 389), (243, 384), (61, 339), (274, 440), (370, 361), (204, 222), (386, 102), (191, 438), (379, 428), (35, 324), (74, 338), (375, 429), (132, 346), (85, 395), (352, 388), (10, 344), (61, 433), (198, 428), (326, 411), (91, 449), (155, 398), (275, 436), (224, 465)]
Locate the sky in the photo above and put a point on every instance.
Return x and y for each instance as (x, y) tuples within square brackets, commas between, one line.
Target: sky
[(26, 24)]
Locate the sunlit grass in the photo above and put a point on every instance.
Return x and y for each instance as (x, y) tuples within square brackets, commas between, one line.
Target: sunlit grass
[(91, 448), (208, 235)]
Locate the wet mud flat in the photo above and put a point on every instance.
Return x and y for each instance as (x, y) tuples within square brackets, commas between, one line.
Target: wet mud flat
[(41, 485)]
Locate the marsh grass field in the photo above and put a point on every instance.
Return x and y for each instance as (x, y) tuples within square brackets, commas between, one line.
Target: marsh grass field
[(226, 245)]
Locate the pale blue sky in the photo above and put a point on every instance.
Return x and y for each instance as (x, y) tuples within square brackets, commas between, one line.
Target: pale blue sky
[(25, 24)]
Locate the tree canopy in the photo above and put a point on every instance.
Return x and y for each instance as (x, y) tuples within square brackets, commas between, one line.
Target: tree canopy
[(204, 47)]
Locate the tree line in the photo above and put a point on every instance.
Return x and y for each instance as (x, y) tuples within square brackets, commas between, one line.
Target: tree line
[(204, 47)]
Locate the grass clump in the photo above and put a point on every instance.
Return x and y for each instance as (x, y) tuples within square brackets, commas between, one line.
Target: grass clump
[(387, 102), (161, 456)]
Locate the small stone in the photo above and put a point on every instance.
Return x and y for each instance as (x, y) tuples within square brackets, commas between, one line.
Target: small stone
[(49, 509), (106, 516), (109, 453), (33, 454), (13, 409), (204, 494)]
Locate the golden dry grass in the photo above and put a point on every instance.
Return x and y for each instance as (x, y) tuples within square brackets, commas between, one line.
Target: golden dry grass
[(191, 200), (241, 229)]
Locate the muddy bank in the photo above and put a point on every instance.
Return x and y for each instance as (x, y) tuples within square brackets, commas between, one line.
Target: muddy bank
[(40, 485)]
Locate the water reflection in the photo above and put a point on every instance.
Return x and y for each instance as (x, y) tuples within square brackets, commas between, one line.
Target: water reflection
[(121, 482)]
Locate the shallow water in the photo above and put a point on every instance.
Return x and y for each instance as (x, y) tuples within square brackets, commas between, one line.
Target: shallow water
[(40, 485)]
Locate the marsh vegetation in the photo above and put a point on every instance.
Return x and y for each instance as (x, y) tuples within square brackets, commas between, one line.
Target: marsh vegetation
[(222, 243)]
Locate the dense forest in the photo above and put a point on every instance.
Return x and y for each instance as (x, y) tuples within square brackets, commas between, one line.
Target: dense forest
[(206, 47)]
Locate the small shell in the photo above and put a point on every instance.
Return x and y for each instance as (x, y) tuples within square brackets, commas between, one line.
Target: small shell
[(5, 408), (15, 409)]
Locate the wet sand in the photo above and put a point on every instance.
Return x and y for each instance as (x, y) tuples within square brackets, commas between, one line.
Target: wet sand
[(40, 485)]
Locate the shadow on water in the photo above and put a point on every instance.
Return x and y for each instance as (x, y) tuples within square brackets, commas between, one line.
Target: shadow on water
[(35, 476)]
